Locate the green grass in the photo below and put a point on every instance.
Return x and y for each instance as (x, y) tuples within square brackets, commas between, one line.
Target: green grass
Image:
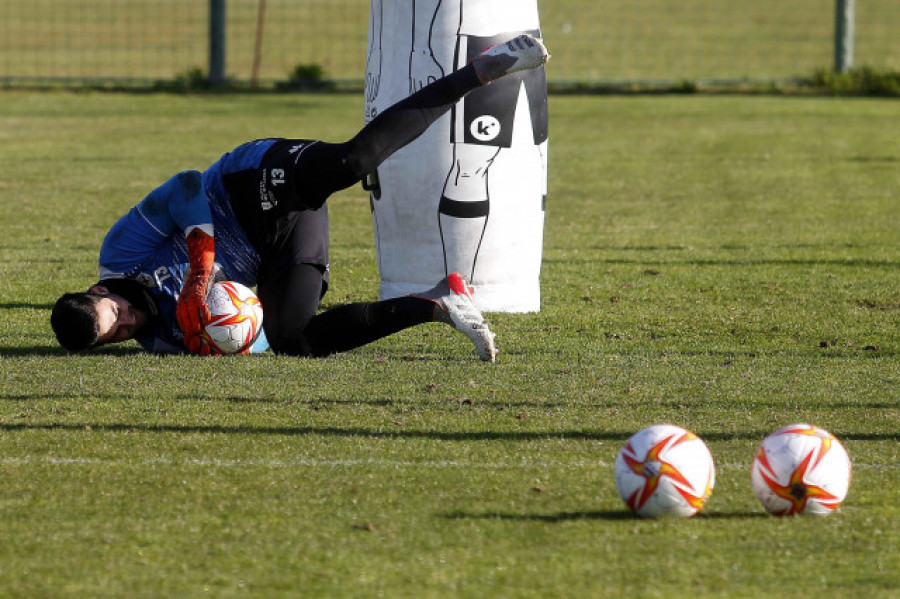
[(729, 264), (591, 40)]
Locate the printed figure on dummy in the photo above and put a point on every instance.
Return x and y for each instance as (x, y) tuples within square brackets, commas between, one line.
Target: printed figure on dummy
[(481, 129), (447, 34), (374, 61), (424, 67)]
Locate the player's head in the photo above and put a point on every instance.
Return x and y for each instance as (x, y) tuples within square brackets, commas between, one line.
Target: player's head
[(74, 320), (96, 317)]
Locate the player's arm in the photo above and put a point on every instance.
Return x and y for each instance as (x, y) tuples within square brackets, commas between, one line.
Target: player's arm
[(188, 208), (178, 207)]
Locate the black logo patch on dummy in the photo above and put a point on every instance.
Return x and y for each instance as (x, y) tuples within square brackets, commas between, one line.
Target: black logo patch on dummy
[(488, 112)]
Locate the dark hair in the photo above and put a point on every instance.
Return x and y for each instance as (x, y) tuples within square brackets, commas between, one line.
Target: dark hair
[(74, 320)]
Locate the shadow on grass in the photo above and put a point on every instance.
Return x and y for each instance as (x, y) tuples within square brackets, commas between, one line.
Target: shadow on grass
[(851, 262), (317, 431), (25, 306), (50, 351), (618, 347), (55, 351), (551, 518), (309, 403), (461, 404), (381, 434), (556, 517)]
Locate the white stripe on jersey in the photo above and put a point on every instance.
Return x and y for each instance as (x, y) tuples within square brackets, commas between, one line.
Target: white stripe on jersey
[(149, 222)]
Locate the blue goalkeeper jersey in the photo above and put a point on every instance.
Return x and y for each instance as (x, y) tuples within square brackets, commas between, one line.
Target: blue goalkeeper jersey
[(148, 245)]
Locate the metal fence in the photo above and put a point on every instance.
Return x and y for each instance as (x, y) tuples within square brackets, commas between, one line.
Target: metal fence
[(133, 42)]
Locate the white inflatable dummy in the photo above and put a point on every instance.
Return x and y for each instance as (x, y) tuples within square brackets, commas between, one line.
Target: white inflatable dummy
[(469, 195)]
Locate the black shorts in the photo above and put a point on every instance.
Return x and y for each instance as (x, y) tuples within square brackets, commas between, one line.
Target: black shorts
[(285, 220)]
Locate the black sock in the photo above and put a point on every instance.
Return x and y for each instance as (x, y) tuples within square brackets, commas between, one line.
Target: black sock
[(353, 325)]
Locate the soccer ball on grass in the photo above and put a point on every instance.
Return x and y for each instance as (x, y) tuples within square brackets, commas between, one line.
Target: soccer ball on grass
[(237, 317), (800, 469), (665, 470)]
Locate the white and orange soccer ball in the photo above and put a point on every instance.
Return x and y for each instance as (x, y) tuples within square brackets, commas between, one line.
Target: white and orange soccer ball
[(800, 469), (237, 317), (665, 470)]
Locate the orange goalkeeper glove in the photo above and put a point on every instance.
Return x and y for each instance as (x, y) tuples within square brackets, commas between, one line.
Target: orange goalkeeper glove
[(191, 310)]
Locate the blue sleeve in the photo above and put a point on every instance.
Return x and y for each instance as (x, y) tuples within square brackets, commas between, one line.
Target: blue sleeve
[(185, 199), (168, 210)]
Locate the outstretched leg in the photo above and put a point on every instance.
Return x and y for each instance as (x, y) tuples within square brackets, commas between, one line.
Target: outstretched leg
[(349, 162), (290, 300), (346, 164), (293, 327)]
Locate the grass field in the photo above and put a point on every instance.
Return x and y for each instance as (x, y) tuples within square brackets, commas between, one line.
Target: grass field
[(592, 40), (729, 264)]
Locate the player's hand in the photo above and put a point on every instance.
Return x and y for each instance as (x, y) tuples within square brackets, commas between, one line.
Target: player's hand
[(191, 310), (193, 313)]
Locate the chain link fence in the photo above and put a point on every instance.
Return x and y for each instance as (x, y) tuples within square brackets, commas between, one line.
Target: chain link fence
[(138, 42)]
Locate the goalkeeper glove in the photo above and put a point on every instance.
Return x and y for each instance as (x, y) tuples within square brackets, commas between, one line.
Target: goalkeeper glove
[(191, 310)]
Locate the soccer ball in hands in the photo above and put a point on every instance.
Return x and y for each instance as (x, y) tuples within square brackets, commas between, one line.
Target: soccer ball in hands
[(800, 469), (665, 470), (237, 317)]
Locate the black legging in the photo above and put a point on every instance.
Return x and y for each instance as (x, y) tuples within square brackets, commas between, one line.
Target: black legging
[(293, 327), (348, 163), (291, 299)]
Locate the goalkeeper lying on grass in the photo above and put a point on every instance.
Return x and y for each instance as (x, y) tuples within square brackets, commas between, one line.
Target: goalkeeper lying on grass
[(258, 217)]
